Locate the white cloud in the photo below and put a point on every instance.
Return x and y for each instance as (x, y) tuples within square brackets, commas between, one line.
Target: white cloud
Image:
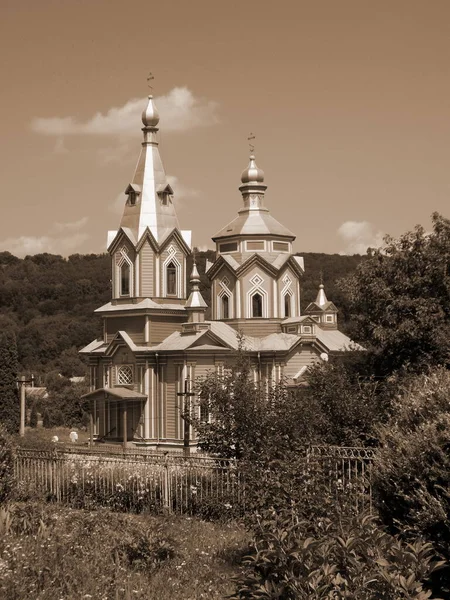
[(64, 239), (358, 236), (179, 110)]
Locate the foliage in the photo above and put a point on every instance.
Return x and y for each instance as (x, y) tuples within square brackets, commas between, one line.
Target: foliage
[(247, 420), (400, 299), (412, 474), (350, 403), (66, 553), (9, 398), (350, 557), (6, 465), (46, 419), (33, 416)]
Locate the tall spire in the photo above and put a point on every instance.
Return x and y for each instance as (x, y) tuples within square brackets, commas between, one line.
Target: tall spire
[(195, 304), (150, 197)]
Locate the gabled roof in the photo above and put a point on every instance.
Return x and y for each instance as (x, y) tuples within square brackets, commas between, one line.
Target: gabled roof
[(115, 236), (336, 341), (117, 392), (94, 346), (314, 307)]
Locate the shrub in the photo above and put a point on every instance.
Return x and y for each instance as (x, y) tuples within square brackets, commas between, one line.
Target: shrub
[(348, 558), (412, 471), (6, 465)]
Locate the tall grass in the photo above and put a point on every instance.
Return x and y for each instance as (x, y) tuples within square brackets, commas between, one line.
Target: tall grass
[(49, 553)]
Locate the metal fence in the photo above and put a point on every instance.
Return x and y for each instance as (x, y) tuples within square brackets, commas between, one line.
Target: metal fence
[(152, 481), (131, 481)]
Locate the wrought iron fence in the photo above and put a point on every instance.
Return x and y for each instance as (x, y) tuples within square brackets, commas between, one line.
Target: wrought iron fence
[(145, 480)]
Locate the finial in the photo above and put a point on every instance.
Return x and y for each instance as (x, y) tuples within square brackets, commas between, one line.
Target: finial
[(250, 145), (150, 78), (195, 275), (252, 174), (150, 116)]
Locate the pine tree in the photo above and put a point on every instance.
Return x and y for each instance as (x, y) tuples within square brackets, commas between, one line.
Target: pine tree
[(33, 416), (9, 396), (46, 420)]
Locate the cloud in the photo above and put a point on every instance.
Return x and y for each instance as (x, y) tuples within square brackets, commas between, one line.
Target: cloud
[(64, 238), (358, 236), (179, 110)]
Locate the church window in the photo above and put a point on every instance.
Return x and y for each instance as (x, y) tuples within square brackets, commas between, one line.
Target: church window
[(228, 247), (132, 198), (225, 307), (171, 273), (306, 329), (260, 245), (287, 305), (280, 246), (125, 279), (329, 318), (125, 375), (257, 305)]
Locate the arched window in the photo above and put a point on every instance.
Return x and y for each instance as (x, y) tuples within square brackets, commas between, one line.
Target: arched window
[(171, 274), (257, 305), (125, 279), (225, 307), (287, 305)]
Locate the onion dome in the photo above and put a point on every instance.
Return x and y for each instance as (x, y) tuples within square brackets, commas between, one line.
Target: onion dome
[(150, 116), (252, 174)]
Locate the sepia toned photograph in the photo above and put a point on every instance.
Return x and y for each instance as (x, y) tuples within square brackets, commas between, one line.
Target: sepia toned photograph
[(225, 300)]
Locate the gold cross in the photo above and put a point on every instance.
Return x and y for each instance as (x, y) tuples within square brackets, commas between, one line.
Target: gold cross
[(150, 78), (250, 138)]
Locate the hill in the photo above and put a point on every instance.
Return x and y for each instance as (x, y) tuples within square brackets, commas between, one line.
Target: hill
[(48, 301)]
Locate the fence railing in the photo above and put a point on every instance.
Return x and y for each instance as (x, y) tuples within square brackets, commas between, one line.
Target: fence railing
[(138, 481), (157, 482)]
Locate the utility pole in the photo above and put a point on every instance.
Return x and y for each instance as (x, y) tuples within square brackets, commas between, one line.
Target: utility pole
[(187, 409), (21, 381)]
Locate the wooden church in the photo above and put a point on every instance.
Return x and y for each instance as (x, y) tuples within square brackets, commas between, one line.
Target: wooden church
[(155, 338)]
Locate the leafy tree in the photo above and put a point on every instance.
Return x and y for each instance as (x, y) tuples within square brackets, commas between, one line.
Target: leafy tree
[(400, 299), (9, 398), (6, 465), (46, 419), (246, 421)]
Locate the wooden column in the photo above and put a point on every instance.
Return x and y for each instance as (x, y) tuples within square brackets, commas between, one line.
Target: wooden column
[(91, 429), (125, 433)]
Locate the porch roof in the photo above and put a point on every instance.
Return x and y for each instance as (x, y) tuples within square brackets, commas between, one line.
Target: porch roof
[(118, 392)]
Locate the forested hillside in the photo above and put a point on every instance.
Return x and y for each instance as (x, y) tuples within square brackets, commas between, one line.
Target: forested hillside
[(48, 301)]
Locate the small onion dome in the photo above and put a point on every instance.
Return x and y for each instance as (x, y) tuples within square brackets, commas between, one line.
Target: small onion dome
[(150, 116), (252, 174), (195, 276)]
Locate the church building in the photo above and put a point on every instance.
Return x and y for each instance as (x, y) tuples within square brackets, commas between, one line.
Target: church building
[(155, 338)]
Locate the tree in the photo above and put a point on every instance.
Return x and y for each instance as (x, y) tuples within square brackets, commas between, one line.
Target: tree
[(9, 398), (33, 416), (400, 299)]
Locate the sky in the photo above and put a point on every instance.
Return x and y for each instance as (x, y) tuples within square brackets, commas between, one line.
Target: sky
[(349, 102)]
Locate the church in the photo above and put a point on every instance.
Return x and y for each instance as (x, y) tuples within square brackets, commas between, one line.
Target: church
[(156, 340)]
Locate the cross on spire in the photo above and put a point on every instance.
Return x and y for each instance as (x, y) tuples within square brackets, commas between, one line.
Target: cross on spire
[(149, 79), (251, 146)]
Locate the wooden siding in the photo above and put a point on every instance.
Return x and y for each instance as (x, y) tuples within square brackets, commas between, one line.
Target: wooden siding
[(267, 286), (134, 326), (256, 327), (147, 268), (162, 327), (302, 357), (171, 399)]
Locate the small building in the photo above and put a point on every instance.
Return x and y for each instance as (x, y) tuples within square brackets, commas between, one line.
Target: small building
[(155, 337)]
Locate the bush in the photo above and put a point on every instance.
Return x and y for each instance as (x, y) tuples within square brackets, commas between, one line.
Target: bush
[(6, 465), (331, 559), (412, 471)]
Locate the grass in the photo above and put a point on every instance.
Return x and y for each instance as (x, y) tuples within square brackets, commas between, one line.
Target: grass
[(39, 436), (58, 553)]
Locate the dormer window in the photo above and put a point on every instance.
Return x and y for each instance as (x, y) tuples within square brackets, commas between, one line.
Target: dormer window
[(132, 192), (165, 193)]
